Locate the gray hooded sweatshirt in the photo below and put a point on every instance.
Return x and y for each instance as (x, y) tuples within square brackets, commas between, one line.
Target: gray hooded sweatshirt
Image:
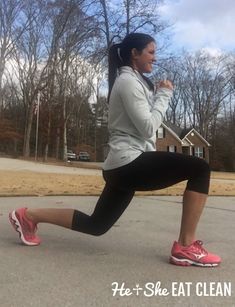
[(135, 114)]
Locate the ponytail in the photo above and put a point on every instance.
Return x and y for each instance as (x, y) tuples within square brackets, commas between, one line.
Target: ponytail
[(114, 62)]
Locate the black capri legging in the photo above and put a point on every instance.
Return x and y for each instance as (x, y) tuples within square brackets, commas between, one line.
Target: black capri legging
[(150, 171)]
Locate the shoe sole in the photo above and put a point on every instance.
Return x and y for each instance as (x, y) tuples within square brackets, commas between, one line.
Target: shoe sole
[(16, 225), (188, 262)]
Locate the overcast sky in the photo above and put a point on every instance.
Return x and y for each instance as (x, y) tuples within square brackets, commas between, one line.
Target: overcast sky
[(201, 23)]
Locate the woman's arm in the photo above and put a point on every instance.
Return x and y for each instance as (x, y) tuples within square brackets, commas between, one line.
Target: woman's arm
[(137, 107)]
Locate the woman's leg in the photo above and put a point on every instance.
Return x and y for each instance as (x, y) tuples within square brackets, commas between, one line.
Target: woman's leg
[(60, 217), (110, 206), (157, 170), (193, 204)]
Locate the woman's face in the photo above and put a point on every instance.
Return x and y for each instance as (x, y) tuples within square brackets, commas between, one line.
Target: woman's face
[(143, 61)]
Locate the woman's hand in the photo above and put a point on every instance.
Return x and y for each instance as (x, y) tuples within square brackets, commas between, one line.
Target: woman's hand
[(165, 83)]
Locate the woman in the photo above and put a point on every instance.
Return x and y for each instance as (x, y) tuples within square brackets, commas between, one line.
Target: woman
[(136, 110)]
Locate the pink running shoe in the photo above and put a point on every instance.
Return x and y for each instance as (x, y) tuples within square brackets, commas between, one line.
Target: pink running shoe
[(193, 254), (24, 227)]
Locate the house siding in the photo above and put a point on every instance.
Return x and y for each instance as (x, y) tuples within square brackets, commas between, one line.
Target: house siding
[(198, 142), (163, 144), (168, 140)]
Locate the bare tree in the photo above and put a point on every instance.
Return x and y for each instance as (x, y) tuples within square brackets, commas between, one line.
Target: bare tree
[(76, 31), (119, 18), (28, 56), (206, 86), (223, 149), (10, 32), (170, 68), (141, 14)]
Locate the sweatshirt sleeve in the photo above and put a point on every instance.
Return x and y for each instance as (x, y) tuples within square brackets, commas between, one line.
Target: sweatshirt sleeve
[(135, 102)]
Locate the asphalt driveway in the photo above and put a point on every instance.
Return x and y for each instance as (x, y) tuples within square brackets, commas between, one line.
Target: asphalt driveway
[(73, 269)]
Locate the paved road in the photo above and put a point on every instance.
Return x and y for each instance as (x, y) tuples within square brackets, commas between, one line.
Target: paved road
[(71, 269)]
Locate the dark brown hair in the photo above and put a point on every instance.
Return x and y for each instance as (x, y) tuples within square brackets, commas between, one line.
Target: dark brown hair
[(120, 54)]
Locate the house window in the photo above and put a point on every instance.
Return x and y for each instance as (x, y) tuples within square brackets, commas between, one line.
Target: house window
[(160, 133), (171, 148), (198, 152)]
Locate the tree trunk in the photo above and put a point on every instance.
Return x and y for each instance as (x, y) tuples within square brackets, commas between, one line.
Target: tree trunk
[(57, 150), (28, 130), (64, 132), (48, 138)]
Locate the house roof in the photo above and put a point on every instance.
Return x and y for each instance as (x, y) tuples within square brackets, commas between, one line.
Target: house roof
[(172, 132), (183, 134), (198, 134), (176, 129)]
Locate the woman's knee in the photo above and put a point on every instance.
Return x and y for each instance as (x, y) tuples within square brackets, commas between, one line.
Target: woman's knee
[(90, 224), (99, 229), (203, 166), (98, 226), (200, 179), (99, 232)]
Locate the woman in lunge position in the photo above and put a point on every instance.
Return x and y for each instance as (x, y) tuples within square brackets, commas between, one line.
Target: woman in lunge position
[(136, 110)]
